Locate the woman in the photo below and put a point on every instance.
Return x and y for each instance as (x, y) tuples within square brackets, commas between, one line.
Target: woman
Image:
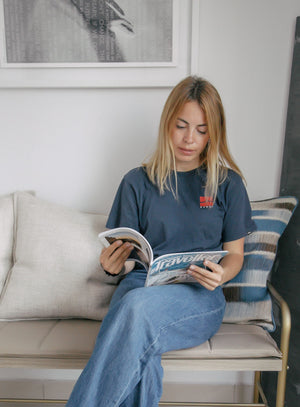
[(184, 199)]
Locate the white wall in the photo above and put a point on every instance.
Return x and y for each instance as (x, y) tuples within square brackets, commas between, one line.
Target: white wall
[(73, 145), (246, 51)]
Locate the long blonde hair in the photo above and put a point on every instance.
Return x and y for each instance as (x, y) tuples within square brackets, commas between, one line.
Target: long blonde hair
[(216, 157)]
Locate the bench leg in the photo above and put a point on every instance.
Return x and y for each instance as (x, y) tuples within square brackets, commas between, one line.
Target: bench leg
[(256, 391), (281, 383)]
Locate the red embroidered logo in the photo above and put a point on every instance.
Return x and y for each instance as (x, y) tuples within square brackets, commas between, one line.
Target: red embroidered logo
[(206, 201)]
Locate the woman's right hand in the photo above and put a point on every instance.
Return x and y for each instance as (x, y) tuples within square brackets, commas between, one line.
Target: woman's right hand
[(113, 257)]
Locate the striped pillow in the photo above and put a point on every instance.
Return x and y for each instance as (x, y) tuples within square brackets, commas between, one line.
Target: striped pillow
[(248, 300)]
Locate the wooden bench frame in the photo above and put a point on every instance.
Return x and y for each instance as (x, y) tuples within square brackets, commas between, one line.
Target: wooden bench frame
[(245, 364)]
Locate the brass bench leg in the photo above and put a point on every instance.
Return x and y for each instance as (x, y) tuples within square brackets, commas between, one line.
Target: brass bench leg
[(256, 391), (284, 344), (281, 383)]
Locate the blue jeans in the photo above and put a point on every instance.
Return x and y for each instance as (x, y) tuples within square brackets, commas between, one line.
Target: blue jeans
[(142, 323)]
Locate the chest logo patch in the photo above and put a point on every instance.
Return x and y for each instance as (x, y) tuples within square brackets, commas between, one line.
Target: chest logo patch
[(206, 202)]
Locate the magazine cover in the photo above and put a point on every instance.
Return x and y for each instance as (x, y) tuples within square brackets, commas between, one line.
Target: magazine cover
[(172, 268)]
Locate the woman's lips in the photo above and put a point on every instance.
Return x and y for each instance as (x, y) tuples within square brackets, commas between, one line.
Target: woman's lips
[(185, 151)]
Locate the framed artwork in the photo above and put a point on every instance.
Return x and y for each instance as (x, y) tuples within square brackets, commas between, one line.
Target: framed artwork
[(95, 43)]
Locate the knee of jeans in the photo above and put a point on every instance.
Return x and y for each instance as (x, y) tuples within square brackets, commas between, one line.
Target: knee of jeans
[(136, 303)]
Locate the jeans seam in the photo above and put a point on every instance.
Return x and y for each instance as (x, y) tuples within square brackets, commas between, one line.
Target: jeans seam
[(159, 334)]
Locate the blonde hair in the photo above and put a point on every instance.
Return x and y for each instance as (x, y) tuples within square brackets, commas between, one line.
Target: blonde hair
[(216, 157)]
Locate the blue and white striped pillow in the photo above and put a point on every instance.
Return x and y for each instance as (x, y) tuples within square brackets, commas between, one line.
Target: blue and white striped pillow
[(248, 300)]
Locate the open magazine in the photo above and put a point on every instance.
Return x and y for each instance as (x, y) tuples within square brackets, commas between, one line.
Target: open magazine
[(165, 269)]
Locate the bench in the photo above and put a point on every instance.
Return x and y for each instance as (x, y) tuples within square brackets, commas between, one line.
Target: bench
[(67, 344), (37, 331)]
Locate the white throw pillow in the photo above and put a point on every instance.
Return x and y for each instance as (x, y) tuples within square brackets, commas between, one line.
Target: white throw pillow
[(56, 271), (6, 236)]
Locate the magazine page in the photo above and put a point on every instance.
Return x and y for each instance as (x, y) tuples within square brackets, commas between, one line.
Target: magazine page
[(172, 268), (142, 252)]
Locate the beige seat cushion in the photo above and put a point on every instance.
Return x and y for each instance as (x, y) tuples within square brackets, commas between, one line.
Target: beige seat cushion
[(233, 341), (67, 340)]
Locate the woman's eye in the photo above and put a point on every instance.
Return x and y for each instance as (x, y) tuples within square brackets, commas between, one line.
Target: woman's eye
[(202, 132), (180, 127)]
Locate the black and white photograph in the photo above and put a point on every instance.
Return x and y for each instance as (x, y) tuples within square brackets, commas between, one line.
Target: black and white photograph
[(88, 31)]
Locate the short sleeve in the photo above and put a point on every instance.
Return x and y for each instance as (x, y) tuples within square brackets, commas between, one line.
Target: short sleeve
[(237, 219), (124, 211)]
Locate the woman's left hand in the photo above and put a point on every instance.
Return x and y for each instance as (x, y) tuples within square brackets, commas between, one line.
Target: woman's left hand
[(215, 274), (211, 277)]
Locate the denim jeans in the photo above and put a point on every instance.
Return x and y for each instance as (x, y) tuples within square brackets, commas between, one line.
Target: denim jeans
[(142, 323)]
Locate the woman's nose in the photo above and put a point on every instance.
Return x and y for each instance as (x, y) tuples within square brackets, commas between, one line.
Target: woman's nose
[(188, 137)]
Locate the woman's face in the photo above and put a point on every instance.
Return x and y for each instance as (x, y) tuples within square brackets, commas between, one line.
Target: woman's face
[(189, 136)]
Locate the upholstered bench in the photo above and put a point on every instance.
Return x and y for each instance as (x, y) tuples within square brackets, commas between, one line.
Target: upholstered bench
[(53, 296), (67, 344)]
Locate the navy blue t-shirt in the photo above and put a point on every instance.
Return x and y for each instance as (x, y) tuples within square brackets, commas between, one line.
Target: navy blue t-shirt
[(190, 223)]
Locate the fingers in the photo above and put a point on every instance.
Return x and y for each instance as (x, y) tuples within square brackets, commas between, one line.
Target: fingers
[(113, 257), (210, 278)]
